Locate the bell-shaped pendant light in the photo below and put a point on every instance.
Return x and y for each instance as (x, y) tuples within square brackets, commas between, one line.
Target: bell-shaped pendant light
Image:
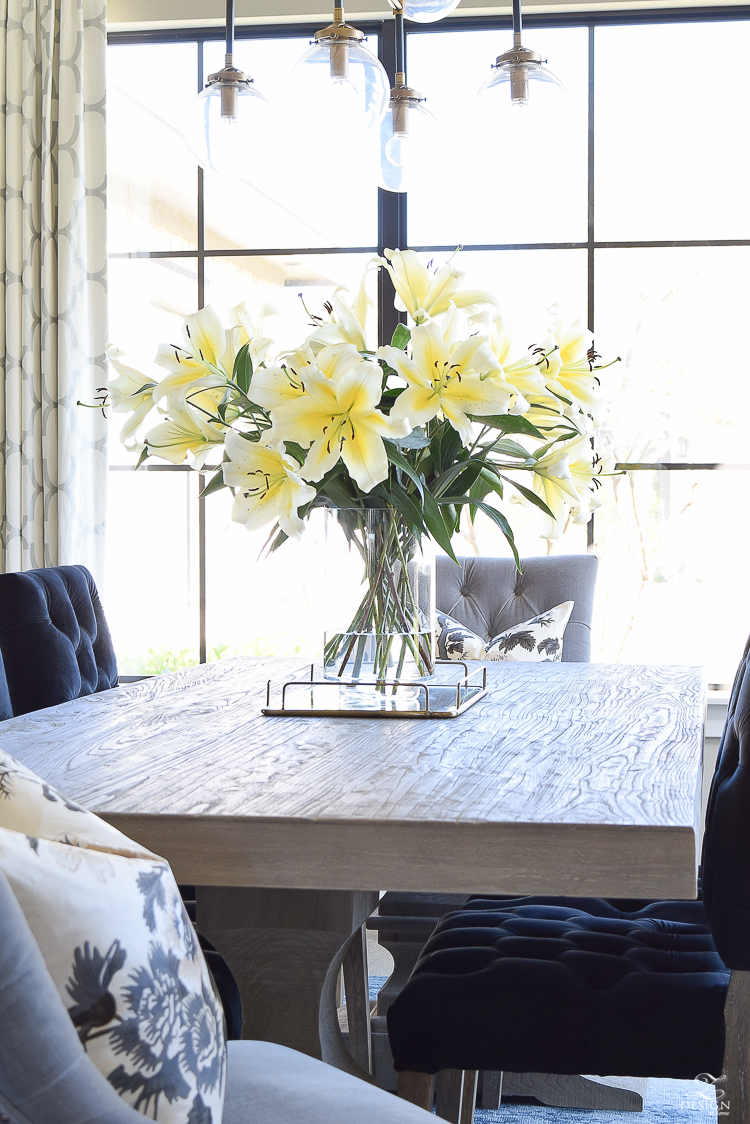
[(229, 117), (429, 11), (339, 83), (408, 130), (521, 88)]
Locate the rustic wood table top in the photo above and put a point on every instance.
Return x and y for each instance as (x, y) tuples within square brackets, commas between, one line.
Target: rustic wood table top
[(576, 779)]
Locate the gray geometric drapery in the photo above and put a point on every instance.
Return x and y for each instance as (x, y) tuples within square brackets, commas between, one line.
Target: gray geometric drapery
[(53, 316)]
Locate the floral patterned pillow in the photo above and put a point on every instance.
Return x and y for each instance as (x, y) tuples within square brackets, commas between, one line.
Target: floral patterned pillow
[(111, 926), (539, 640)]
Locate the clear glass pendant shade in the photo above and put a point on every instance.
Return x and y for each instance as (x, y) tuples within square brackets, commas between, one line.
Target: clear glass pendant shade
[(429, 11), (227, 144), (408, 141), (518, 87), (339, 84)]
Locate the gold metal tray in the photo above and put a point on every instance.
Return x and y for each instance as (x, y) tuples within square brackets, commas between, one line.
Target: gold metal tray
[(390, 698)]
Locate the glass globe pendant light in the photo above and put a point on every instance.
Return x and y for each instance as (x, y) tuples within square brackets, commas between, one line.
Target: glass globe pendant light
[(407, 132), (339, 81), (429, 11), (521, 89), (226, 118)]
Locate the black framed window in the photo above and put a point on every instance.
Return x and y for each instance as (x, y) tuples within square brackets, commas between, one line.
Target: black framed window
[(636, 215)]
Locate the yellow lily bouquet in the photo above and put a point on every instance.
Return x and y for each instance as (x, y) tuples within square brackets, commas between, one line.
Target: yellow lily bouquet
[(447, 416)]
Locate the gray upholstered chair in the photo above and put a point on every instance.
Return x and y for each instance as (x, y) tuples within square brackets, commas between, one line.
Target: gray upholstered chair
[(47, 1078), (489, 595)]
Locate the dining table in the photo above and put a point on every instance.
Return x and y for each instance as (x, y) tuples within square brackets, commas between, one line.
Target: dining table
[(565, 779)]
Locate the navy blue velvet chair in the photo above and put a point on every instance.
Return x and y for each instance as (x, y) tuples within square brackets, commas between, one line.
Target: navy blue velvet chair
[(583, 986), (54, 639)]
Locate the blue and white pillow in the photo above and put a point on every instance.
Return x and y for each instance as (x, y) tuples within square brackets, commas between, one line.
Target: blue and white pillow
[(539, 640), (109, 921)]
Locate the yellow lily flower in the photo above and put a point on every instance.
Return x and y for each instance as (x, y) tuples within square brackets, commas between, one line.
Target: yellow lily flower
[(199, 360), (570, 373), (522, 372), (338, 418), (126, 393), (271, 387), (566, 478), (447, 381), (245, 329), (268, 485), (423, 294), (348, 323), (184, 432)]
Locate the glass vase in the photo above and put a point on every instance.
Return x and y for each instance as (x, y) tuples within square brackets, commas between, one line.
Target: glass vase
[(391, 635)]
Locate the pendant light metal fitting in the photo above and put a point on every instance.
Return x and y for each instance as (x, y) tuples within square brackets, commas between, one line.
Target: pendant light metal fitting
[(339, 29), (340, 35), (403, 98), (231, 80)]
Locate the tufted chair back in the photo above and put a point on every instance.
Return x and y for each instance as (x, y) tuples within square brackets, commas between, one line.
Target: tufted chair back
[(725, 869), (489, 595), (54, 639)]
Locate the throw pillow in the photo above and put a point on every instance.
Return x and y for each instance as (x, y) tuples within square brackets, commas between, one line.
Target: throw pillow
[(109, 921), (539, 640)]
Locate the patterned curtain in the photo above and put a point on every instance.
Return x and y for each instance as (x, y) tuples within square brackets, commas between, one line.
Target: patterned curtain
[(53, 315)]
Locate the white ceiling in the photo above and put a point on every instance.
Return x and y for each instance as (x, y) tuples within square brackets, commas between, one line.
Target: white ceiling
[(131, 14)]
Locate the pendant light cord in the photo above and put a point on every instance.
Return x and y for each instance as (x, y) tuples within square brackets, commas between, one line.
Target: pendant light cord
[(516, 23), (230, 27), (401, 44)]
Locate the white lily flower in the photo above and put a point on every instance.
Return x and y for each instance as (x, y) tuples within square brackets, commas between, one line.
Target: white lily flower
[(198, 361), (268, 485), (184, 432), (130, 391), (447, 381), (423, 294), (338, 418)]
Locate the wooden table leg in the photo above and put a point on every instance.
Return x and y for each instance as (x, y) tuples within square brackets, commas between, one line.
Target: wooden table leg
[(285, 948)]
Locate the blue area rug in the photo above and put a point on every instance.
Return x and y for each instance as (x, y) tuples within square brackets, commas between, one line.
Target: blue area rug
[(667, 1102)]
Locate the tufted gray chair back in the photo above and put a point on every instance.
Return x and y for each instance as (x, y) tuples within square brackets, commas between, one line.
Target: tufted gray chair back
[(489, 595)]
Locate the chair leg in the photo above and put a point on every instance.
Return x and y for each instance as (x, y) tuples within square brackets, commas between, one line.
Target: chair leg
[(358, 1000), (469, 1096), (416, 1088), (456, 1094), (491, 1081), (734, 1095)]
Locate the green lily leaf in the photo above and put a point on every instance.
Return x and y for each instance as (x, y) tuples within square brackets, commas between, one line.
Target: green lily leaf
[(417, 439), (406, 504), (215, 484), (532, 497), (499, 520), (397, 458), (436, 525), (145, 454), (509, 423), (400, 337), (296, 451), (243, 368)]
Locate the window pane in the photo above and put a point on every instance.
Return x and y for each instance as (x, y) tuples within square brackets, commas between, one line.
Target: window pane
[(526, 283), (152, 179), (148, 300), (671, 115), (672, 585), (677, 317), (480, 188), (308, 186), (296, 287), (151, 590)]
